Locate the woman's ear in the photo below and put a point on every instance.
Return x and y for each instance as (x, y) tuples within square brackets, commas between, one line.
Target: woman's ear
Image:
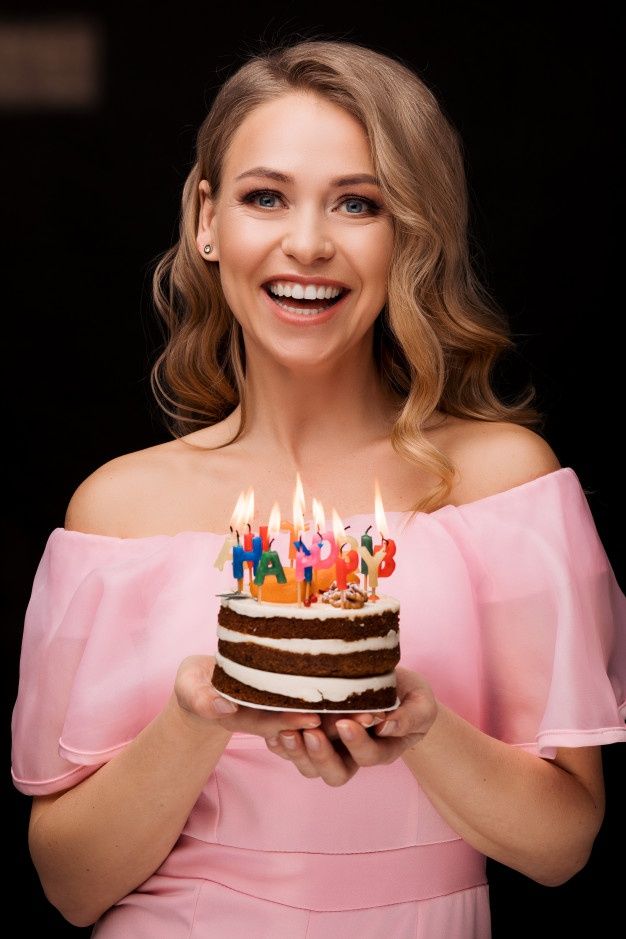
[(206, 238)]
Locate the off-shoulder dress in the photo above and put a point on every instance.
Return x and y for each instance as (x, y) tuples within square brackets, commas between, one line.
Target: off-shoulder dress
[(509, 608)]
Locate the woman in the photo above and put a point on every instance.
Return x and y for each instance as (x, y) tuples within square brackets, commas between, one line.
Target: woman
[(323, 319)]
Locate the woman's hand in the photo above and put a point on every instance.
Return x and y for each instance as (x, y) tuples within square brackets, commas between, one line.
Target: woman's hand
[(342, 744), (201, 704)]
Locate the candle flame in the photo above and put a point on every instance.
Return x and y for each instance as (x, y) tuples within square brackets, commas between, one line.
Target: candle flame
[(381, 519), (238, 518), (299, 492), (298, 515), (249, 506), (338, 529), (273, 526), (318, 515)]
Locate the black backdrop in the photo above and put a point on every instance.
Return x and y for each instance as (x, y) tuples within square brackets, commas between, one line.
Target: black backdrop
[(91, 197)]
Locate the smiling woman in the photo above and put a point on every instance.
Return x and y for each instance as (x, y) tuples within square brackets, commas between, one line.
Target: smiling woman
[(324, 319), (312, 172), (313, 223)]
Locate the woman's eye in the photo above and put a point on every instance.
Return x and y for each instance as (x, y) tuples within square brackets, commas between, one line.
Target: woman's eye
[(357, 206), (353, 203), (264, 196)]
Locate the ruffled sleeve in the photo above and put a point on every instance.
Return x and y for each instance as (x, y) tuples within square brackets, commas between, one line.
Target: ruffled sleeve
[(107, 624), (550, 616)]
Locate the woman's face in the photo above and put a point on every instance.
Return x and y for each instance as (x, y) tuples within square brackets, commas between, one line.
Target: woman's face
[(289, 229)]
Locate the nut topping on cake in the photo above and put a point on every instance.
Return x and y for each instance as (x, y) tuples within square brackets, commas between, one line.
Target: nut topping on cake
[(352, 598)]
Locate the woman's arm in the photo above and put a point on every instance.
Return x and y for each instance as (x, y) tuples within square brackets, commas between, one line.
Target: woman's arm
[(537, 816), (94, 843)]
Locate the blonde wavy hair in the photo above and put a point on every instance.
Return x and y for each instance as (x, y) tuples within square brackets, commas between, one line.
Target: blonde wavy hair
[(439, 334)]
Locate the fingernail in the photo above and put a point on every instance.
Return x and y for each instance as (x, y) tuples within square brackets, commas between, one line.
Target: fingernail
[(371, 722), (289, 741), (222, 706), (272, 741), (311, 722), (311, 741), (345, 730), (388, 728)]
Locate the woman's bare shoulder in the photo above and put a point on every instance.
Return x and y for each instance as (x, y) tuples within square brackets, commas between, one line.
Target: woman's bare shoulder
[(493, 456), (104, 503), (136, 493)]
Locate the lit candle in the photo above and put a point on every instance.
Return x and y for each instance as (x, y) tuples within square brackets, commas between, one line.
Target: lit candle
[(269, 563), (388, 565), (373, 562), (240, 555), (344, 564), (231, 540), (249, 535), (304, 571), (237, 522), (319, 563), (366, 542), (295, 529), (265, 541)]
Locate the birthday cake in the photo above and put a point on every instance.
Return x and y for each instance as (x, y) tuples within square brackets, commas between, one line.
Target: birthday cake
[(335, 654)]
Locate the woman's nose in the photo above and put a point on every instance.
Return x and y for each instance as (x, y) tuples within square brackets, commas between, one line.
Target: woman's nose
[(307, 239)]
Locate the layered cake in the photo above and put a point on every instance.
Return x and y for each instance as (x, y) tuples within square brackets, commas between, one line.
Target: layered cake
[(337, 654)]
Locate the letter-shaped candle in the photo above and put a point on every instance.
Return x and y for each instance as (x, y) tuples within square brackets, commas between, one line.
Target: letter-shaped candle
[(344, 564), (388, 565), (240, 555), (373, 562), (269, 564), (366, 542), (236, 521)]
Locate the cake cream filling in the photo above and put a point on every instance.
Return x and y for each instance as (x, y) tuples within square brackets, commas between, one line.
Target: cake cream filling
[(248, 606), (304, 687), (313, 646)]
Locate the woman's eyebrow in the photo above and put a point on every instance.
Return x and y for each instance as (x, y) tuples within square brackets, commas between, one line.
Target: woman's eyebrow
[(351, 180)]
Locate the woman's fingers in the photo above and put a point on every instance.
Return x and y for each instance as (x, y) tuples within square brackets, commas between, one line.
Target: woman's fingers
[(314, 756), (364, 748), (249, 720)]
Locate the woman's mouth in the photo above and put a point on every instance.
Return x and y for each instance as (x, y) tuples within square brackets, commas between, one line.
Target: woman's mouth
[(305, 312)]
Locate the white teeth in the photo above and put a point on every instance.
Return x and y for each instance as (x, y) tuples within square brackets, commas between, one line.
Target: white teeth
[(310, 311), (299, 292)]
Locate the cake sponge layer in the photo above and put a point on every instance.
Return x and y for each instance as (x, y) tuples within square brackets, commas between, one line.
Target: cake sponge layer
[(357, 624), (359, 700)]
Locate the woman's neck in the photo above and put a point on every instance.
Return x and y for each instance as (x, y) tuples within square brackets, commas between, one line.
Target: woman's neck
[(297, 414)]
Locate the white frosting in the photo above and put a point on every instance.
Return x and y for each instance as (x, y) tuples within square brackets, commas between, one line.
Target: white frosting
[(306, 688), (313, 646), (248, 606)]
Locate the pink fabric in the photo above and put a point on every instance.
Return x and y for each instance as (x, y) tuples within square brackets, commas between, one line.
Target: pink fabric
[(509, 607), (201, 909)]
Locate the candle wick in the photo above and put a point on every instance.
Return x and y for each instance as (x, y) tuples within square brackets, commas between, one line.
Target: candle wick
[(231, 529), (367, 529), (346, 527), (319, 534), (249, 527), (342, 547), (237, 533), (270, 544)]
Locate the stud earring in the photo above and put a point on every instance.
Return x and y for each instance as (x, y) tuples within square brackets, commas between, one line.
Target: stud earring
[(208, 249)]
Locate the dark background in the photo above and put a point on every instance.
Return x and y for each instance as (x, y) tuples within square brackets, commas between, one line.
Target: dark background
[(91, 198)]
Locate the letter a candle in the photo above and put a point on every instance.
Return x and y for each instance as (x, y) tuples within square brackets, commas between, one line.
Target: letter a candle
[(270, 561)]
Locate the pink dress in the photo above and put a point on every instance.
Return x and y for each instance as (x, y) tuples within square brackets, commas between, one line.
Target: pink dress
[(509, 607)]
